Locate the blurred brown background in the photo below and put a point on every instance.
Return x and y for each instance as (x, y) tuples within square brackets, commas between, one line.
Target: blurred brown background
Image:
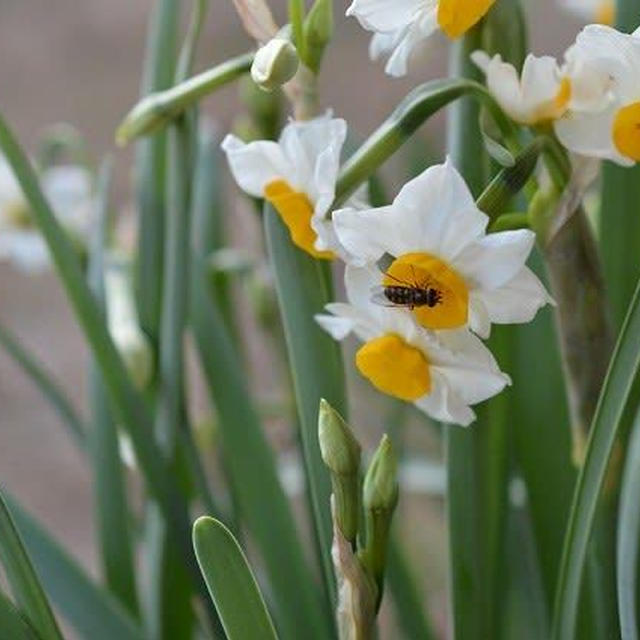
[(79, 62)]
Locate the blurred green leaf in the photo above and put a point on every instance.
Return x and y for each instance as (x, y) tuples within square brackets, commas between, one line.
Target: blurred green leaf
[(92, 612), (304, 288), (629, 538), (248, 458), (12, 625), (111, 511), (231, 583), (604, 429), (23, 580), (47, 385)]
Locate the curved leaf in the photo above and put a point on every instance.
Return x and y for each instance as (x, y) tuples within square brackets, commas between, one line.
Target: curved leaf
[(12, 625), (622, 373), (231, 583)]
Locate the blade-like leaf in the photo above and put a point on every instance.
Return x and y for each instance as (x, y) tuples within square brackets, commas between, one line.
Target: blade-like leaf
[(46, 385), (304, 288), (629, 538), (231, 583), (111, 511), (249, 461), (12, 625), (604, 429), (23, 580), (90, 611)]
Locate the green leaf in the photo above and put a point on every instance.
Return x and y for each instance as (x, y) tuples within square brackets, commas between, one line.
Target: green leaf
[(604, 429), (304, 288), (111, 511), (12, 625), (629, 538), (47, 385), (23, 580), (93, 613), (231, 583), (249, 461)]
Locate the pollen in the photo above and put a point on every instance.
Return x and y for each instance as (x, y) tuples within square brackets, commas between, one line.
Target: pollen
[(626, 131), (424, 270), (395, 367), (296, 211), (456, 17)]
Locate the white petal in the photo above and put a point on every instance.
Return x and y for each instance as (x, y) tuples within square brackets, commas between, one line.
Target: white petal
[(356, 319), (495, 259), (442, 405), (384, 16), (256, 164), (516, 301), (382, 43), (591, 135), (68, 190), (479, 321), (26, 250), (337, 327)]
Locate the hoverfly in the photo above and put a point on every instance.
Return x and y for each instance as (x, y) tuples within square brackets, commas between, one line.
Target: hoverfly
[(406, 294)]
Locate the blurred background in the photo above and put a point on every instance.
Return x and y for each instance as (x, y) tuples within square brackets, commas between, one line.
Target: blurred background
[(80, 62)]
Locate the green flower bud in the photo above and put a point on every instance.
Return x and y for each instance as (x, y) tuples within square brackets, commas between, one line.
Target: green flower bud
[(318, 29), (341, 453), (380, 499), (381, 481), (275, 64)]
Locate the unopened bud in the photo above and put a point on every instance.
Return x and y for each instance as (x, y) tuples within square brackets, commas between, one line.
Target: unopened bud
[(122, 321), (274, 64), (341, 453), (318, 29)]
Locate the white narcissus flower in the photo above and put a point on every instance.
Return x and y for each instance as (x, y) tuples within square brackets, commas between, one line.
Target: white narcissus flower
[(297, 175), (542, 93), (613, 131), (436, 238), (442, 374), (69, 192), (601, 11), (399, 25)]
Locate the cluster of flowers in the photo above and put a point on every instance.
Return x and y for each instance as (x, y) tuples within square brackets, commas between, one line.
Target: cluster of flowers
[(424, 280), (430, 243)]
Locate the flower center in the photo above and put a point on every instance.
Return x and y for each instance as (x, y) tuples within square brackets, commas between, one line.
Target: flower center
[(395, 367), (561, 101), (456, 17), (17, 214), (296, 211), (444, 294), (606, 13), (626, 131)]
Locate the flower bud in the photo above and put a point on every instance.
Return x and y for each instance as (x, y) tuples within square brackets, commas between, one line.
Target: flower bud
[(274, 64), (341, 453), (122, 321), (318, 29)]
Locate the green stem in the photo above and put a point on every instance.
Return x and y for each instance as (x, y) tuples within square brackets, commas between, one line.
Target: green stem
[(411, 113), (296, 18), (157, 110)]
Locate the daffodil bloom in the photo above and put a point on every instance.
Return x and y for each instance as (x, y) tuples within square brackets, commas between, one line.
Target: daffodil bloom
[(600, 11), (434, 235), (68, 191), (399, 25), (612, 60), (541, 94), (297, 175), (442, 374)]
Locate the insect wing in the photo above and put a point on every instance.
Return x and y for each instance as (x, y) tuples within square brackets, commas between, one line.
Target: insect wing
[(378, 296)]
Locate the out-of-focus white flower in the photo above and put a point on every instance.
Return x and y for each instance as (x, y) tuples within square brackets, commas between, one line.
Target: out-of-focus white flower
[(442, 374), (402, 24), (610, 60), (542, 93), (437, 238), (601, 11), (68, 191), (297, 175), (122, 321)]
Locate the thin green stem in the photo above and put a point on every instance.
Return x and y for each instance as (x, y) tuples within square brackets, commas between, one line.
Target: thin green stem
[(296, 18), (157, 110)]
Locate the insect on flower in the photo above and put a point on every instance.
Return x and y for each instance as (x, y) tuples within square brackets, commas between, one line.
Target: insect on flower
[(406, 294)]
